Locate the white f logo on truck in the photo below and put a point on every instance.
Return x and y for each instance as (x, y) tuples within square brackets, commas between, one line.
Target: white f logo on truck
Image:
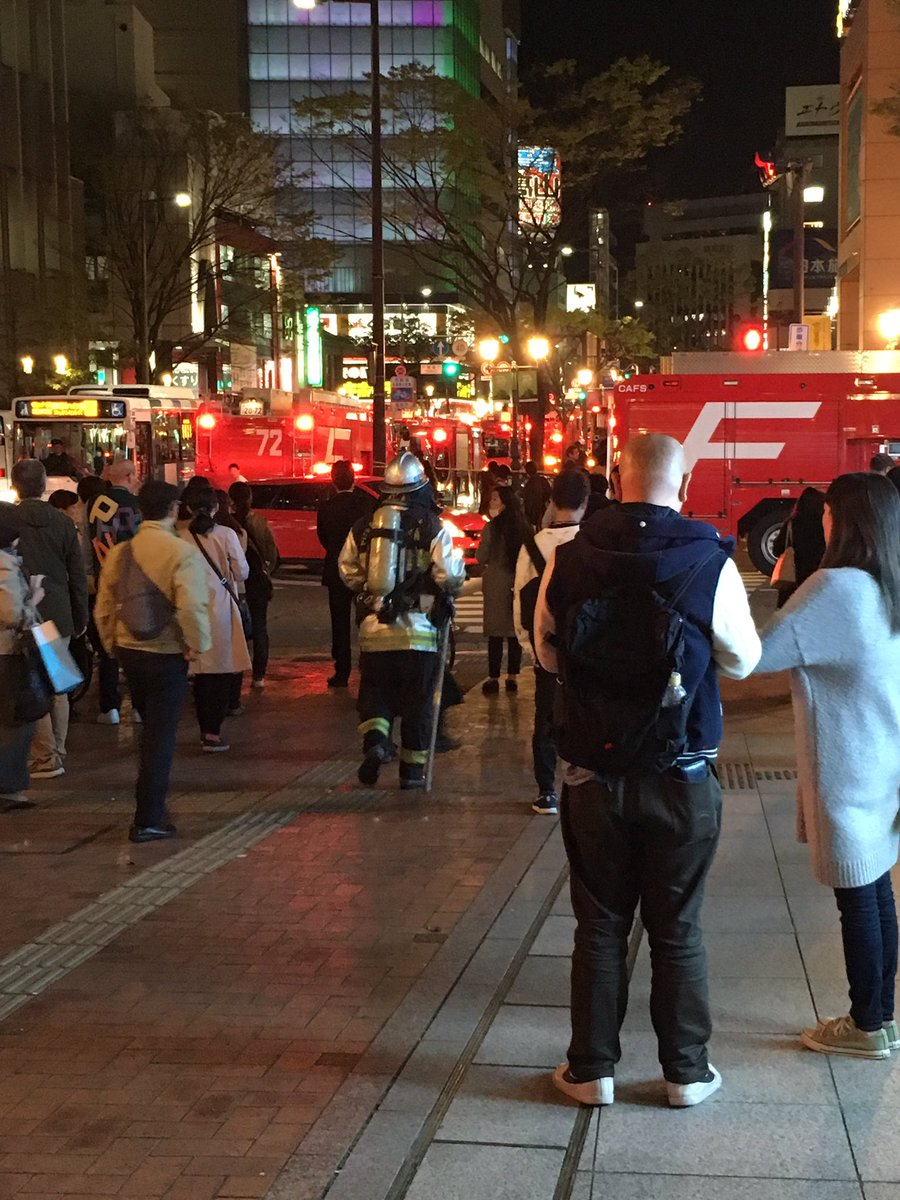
[(699, 444)]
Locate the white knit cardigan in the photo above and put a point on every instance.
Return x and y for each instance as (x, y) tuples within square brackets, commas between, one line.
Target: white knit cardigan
[(835, 637)]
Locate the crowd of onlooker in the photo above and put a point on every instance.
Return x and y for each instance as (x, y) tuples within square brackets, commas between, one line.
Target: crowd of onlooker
[(160, 587)]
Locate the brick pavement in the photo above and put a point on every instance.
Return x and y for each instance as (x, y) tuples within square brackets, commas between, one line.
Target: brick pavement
[(193, 1055)]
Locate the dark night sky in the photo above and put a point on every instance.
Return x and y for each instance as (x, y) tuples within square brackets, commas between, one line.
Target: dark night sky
[(744, 52)]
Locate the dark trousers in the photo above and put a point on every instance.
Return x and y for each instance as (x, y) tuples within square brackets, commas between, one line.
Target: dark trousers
[(107, 668), (543, 739), (495, 656), (398, 683), (234, 690), (157, 683), (259, 624), (340, 604), (647, 841), (869, 932), (212, 697)]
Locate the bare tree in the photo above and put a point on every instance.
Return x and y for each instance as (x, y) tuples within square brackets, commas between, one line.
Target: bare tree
[(162, 256)]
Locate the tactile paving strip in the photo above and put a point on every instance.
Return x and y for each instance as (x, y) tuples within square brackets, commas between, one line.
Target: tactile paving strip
[(737, 776), (32, 968), (328, 773)]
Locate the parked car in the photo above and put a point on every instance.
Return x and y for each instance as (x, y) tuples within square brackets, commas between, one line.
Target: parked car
[(291, 506)]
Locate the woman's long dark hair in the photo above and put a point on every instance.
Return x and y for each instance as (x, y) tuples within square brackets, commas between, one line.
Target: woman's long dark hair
[(223, 513), (201, 505), (241, 496), (510, 527), (865, 513), (194, 484)]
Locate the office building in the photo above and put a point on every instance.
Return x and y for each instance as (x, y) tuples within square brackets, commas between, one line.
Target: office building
[(296, 53), (699, 271), (869, 246), (41, 258)]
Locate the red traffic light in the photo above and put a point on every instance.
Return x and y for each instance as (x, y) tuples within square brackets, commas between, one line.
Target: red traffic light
[(751, 339)]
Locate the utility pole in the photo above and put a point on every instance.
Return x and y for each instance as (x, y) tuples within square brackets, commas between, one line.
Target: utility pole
[(797, 174), (379, 439)]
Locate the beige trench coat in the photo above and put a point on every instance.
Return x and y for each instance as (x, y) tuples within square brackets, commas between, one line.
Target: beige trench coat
[(229, 652)]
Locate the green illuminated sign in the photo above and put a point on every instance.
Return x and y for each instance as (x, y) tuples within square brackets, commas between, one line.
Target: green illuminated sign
[(315, 372)]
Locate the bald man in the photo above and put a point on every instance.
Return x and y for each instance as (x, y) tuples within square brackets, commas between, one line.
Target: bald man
[(647, 835)]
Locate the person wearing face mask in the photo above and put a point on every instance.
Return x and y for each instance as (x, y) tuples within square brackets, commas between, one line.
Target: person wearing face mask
[(498, 553)]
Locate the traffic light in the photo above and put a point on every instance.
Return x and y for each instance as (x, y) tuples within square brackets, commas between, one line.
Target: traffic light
[(751, 339), (628, 370), (450, 368), (504, 338)]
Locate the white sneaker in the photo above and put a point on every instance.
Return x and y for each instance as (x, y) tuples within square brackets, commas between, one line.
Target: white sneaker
[(258, 684), (108, 718), (594, 1092), (136, 717), (686, 1095)]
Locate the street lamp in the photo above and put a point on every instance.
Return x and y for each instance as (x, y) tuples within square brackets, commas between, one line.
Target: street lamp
[(567, 251), (814, 194), (489, 349), (379, 439), (585, 377), (27, 364), (538, 348), (180, 200), (425, 291), (60, 364), (889, 327), (638, 304)]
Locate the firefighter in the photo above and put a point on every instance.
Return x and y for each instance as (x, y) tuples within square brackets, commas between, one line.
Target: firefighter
[(402, 565)]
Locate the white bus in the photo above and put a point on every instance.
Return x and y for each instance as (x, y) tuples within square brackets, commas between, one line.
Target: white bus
[(155, 426)]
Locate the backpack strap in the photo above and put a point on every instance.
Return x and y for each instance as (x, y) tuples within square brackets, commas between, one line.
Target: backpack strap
[(537, 559), (691, 576)]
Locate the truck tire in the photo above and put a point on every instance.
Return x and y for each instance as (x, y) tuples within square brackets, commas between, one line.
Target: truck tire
[(761, 539)]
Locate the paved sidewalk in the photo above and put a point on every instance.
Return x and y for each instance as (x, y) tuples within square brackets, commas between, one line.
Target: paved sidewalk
[(327, 991)]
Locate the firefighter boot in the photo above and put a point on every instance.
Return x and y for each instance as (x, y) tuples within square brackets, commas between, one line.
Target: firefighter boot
[(377, 751), (412, 769)]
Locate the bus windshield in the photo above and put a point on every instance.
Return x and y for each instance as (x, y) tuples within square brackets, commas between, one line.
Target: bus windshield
[(87, 447)]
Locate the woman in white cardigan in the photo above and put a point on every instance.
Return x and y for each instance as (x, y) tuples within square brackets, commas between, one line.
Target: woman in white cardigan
[(839, 635), (226, 568)]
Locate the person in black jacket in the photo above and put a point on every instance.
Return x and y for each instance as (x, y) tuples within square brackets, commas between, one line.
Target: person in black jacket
[(335, 519), (48, 546), (804, 526)]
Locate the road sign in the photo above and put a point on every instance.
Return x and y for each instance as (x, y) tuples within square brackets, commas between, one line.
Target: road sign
[(399, 371), (442, 348), (798, 337), (487, 370), (503, 366), (460, 346), (403, 390), (426, 368)]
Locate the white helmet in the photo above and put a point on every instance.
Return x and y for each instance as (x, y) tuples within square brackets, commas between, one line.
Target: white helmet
[(404, 474)]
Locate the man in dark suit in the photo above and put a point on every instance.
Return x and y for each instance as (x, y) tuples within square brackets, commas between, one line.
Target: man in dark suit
[(336, 518)]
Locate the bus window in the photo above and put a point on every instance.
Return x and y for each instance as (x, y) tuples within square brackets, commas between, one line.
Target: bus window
[(90, 447), (173, 451)]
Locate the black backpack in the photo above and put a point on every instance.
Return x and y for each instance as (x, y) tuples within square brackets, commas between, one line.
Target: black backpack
[(617, 652), (528, 595)]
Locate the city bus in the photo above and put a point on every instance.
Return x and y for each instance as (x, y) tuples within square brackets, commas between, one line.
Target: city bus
[(153, 425)]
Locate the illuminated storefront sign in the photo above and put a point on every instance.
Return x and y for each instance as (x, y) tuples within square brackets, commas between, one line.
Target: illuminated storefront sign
[(539, 187)]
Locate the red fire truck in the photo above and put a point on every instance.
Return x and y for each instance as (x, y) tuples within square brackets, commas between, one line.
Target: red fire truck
[(756, 438), (284, 435)]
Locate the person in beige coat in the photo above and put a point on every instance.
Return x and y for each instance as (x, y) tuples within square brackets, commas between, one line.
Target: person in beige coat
[(157, 667), (226, 568)]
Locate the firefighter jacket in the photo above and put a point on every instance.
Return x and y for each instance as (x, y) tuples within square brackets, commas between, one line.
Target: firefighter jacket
[(437, 568)]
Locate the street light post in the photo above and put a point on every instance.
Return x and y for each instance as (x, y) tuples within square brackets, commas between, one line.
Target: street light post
[(142, 365), (379, 435)]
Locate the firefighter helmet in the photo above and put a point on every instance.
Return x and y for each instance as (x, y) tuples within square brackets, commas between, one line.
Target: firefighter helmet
[(404, 474)]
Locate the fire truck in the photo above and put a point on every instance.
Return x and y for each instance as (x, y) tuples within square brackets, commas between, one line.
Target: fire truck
[(759, 429), (282, 435)]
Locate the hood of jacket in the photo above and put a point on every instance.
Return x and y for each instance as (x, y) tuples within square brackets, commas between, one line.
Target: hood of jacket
[(38, 514), (648, 540)]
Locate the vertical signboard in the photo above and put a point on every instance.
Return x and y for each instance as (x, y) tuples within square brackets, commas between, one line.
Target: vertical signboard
[(539, 187)]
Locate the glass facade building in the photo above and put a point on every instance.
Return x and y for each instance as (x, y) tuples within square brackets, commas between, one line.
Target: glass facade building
[(297, 53)]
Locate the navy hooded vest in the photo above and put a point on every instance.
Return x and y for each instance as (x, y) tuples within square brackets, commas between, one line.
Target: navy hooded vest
[(644, 543)]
